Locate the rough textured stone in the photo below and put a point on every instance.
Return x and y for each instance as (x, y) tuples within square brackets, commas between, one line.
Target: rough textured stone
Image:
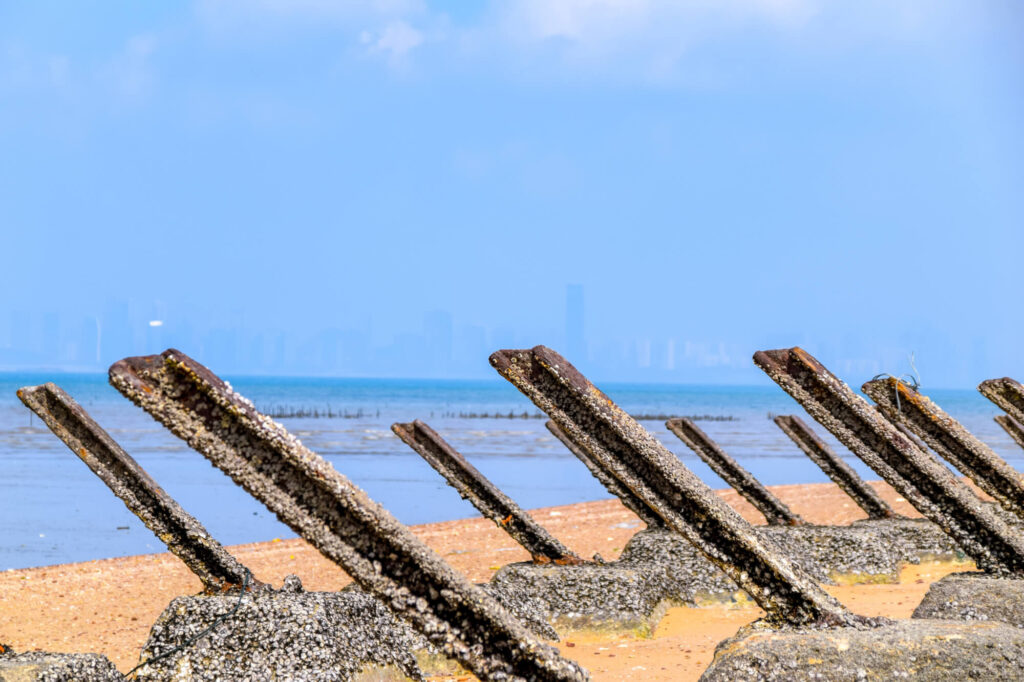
[(1012, 427), (841, 473), (340, 520), (660, 568), (627, 452), (974, 596), (483, 494), (184, 536), (285, 635), (922, 650), (775, 511), (610, 483), (866, 551), (903, 405), (918, 539), (591, 596), (916, 474), (39, 666)]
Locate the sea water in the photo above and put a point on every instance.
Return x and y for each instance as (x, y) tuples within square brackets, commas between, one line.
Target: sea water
[(53, 509)]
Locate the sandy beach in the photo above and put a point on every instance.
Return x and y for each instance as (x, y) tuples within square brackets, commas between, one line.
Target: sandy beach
[(107, 606)]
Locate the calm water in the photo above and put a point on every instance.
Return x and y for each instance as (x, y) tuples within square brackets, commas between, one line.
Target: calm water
[(54, 510)]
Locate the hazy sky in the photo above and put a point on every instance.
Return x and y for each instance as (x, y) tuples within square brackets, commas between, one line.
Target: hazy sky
[(275, 180)]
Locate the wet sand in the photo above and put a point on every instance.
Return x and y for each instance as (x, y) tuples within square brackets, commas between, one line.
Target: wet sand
[(108, 606)]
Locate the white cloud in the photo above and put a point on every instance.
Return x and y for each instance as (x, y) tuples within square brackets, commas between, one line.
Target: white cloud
[(395, 40), (129, 73), (241, 19)]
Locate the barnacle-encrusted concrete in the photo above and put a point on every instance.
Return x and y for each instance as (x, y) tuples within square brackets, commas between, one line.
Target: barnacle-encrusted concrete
[(339, 519), (903, 405), (483, 494), (605, 478), (627, 452), (184, 536), (592, 596), (926, 650), (841, 473), (282, 635), (775, 511), (974, 596), (1007, 393), (866, 551), (659, 568), (917, 539), (40, 666), (919, 477), (1012, 427)]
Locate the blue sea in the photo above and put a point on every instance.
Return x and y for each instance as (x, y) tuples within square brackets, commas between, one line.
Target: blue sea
[(54, 510)]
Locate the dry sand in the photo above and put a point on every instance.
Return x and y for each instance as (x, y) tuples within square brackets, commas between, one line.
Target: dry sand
[(107, 606)]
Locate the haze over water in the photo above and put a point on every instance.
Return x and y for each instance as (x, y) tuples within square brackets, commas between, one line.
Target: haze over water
[(55, 510)]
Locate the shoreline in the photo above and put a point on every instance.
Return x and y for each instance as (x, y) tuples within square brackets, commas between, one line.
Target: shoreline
[(107, 605)]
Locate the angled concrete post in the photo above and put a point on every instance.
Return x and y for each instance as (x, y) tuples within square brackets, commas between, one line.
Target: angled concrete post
[(925, 482), (901, 404), (775, 511), (1012, 427), (339, 519), (184, 536), (639, 462), (1007, 393), (841, 473), (608, 480), (484, 495)]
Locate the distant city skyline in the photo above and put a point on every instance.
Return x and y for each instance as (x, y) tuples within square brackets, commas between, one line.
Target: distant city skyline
[(440, 347), (397, 189)]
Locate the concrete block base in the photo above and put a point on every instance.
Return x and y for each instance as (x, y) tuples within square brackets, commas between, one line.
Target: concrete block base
[(974, 596), (288, 634), (923, 650), (39, 666), (588, 596)]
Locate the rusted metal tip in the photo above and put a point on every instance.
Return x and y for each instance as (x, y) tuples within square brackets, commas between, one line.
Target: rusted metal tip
[(501, 360), (771, 360), (402, 430), (994, 383)]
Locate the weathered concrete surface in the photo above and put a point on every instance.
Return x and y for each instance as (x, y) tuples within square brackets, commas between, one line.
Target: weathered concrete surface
[(184, 536), (282, 635), (1012, 427), (903, 405), (841, 473), (917, 475), (483, 494), (659, 568), (639, 462), (918, 539), (612, 596), (608, 480), (339, 519), (1007, 393), (775, 511), (926, 650), (974, 596), (863, 552), (38, 666)]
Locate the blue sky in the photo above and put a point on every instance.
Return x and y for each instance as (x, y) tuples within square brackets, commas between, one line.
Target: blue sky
[(396, 188)]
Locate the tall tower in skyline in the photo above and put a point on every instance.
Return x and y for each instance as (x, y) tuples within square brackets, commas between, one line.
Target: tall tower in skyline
[(575, 343)]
